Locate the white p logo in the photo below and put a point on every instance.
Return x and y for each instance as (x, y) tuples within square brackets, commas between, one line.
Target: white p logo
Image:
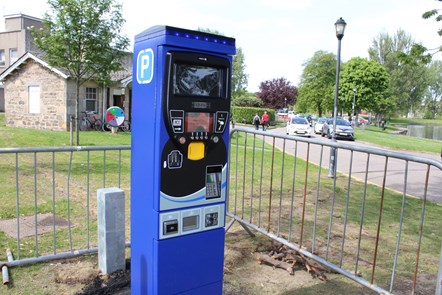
[(145, 66)]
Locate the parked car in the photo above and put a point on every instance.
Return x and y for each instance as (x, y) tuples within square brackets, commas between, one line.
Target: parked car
[(298, 126), (307, 117), (318, 125), (291, 114), (362, 121), (343, 129)]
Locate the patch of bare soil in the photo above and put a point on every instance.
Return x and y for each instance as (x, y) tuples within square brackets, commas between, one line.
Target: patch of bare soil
[(116, 283), (243, 274), (424, 285)]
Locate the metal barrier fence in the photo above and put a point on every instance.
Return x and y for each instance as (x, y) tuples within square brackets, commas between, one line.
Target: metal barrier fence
[(48, 199), (377, 222)]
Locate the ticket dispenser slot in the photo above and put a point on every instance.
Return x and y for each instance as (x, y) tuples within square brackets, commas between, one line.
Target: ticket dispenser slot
[(179, 160)]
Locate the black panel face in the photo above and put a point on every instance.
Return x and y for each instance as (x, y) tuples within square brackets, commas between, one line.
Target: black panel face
[(196, 104), (196, 100), (181, 176)]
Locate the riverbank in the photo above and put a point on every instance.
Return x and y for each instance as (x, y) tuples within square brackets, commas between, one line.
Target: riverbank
[(393, 139)]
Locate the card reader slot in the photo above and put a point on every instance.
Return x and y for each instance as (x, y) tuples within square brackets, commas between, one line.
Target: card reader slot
[(170, 227)]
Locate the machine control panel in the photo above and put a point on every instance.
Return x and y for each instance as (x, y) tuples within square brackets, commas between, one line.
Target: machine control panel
[(222, 119), (196, 131), (184, 222), (177, 121), (196, 102)]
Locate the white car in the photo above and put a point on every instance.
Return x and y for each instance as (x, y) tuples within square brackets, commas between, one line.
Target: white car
[(318, 125), (298, 126)]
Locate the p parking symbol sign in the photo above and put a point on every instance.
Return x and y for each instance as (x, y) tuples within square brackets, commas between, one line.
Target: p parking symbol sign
[(145, 66)]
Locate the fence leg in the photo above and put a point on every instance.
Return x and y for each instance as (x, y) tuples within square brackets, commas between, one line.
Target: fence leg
[(246, 229), (244, 226), (230, 224), (111, 230)]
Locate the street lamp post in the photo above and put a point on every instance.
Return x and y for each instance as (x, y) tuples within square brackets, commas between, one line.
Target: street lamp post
[(340, 28), (285, 102)]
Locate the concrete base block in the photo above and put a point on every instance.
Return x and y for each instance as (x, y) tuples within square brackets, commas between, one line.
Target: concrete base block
[(111, 230)]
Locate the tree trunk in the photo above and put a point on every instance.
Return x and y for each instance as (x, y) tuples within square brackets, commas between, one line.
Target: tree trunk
[(77, 112)]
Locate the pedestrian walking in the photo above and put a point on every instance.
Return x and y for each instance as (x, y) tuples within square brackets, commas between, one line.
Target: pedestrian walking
[(256, 121), (264, 121)]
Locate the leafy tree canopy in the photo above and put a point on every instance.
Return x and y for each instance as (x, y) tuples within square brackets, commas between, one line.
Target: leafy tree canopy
[(239, 76), (434, 95), (372, 84), (407, 79), (317, 83), (277, 92), (419, 52), (83, 37)]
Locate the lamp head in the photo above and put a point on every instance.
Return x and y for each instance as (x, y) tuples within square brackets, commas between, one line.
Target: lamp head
[(340, 25)]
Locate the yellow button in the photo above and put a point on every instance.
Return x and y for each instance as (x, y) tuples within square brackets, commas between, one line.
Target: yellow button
[(195, 151)]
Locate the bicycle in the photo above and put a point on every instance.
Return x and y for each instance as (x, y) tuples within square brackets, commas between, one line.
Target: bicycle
[(106, 127), (89, 122)]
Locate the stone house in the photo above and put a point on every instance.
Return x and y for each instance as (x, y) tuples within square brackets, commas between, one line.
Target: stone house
[(15, 41), (42, 97)]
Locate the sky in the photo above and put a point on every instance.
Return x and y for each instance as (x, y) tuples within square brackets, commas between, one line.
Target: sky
[(276, 36)]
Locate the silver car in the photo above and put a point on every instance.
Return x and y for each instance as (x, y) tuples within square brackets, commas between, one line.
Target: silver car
[(318, 125), (343, 129)]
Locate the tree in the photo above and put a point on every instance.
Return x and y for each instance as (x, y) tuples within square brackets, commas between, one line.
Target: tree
[(434, 88), (239, 76), (249, 101), (372, 84), (407, 79), (317, 83), (84, 38), (277, 93), (420, 52)]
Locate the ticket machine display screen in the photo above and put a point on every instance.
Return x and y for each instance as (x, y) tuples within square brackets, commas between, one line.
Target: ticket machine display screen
[(198, 80), (198, 122)]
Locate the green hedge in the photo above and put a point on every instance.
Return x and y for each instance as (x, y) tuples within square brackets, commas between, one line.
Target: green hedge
[(245, 115)]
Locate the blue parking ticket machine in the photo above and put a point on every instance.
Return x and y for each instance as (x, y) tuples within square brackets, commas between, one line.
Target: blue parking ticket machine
[(180, 143)]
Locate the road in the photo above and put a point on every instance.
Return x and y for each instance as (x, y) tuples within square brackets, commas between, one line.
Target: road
[(395, 176)]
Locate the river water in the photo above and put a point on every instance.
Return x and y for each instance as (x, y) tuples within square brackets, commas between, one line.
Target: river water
[(425, 131)]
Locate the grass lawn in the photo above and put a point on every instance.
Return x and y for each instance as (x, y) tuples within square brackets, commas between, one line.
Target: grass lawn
[(383, 138), (59, 184), (271, 191), (275, 174), (28, 137)]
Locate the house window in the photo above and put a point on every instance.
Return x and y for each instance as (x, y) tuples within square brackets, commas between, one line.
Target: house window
[(91, 99), (34, 99), (13, 55), (2, 57)]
